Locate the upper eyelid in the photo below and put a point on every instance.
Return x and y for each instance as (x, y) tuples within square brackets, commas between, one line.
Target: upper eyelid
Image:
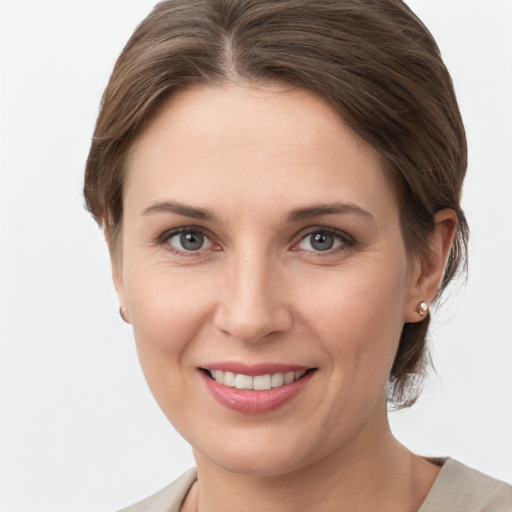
[(163, 237), (304, 233)]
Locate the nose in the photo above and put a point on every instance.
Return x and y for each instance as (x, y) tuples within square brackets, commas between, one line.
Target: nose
[(252, 304)]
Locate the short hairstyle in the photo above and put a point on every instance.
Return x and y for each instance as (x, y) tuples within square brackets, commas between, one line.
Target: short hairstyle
[(373, 60)]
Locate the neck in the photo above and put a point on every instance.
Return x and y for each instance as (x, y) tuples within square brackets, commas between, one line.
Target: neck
[(372, 472)]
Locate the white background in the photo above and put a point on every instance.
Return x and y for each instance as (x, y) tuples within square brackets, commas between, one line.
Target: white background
[(79, 430)]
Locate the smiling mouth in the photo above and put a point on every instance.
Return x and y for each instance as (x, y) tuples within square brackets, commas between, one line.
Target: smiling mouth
[(257, 382)]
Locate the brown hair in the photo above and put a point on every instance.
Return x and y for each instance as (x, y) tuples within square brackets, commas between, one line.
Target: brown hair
[(373, 60)]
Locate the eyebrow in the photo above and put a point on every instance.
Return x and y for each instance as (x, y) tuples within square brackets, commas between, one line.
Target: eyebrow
[(295, 215), (179, 209), (319, 210)]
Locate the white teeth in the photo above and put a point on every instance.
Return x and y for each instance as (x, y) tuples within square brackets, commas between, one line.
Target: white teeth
[(229, 379), (277, 380), (243, 381), (257, 383), (262, 382), (288, 377)]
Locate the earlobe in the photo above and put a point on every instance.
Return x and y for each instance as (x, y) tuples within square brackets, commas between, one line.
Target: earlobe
[(117, 274), (117, 278), (123, 313), (430, 267)]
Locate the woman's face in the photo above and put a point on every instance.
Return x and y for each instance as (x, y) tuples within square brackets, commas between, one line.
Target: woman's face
[(261, 239)]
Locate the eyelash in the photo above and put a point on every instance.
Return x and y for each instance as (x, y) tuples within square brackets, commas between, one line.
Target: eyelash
[(163, 239), (346, 241)]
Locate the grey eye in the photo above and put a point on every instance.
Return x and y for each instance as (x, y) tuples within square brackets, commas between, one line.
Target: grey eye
[(320, 241), (189, 241)]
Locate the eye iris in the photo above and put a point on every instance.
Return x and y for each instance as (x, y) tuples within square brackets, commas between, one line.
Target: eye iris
[(191, 241), (322, 241)]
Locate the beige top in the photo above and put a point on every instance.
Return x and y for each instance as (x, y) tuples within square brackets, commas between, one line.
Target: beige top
[(456, 489)]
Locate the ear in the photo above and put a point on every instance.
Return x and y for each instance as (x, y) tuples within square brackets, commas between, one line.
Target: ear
[(116, 263), (428, 269)]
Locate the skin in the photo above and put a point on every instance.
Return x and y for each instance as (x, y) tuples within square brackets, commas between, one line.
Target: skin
[(258, 291)]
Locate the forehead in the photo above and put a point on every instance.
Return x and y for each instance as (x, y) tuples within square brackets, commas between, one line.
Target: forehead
[(254, 146)]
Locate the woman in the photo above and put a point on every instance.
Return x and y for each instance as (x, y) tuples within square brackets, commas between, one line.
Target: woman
[(279, 184)]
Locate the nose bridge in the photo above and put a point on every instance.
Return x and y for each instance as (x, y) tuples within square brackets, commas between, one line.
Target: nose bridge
[(251, 305)]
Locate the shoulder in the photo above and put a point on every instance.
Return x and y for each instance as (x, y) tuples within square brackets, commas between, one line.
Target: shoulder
[(460, 488), (169, 498)]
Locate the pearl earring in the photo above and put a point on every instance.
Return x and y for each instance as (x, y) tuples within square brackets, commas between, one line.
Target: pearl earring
[(422, 308), (123, 312)]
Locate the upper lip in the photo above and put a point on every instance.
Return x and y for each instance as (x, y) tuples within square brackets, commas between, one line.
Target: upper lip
[(254, 369)]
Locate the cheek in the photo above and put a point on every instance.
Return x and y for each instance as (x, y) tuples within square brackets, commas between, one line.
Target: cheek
[(358, 318), (168, 311)]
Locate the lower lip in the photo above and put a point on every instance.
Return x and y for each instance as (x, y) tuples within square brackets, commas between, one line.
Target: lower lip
[(255, 402)]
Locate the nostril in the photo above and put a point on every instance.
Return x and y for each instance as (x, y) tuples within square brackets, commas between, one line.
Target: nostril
[(253, 324)]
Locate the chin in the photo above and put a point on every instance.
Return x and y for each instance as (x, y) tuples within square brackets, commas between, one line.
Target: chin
[(263, 456), (259, 464)]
